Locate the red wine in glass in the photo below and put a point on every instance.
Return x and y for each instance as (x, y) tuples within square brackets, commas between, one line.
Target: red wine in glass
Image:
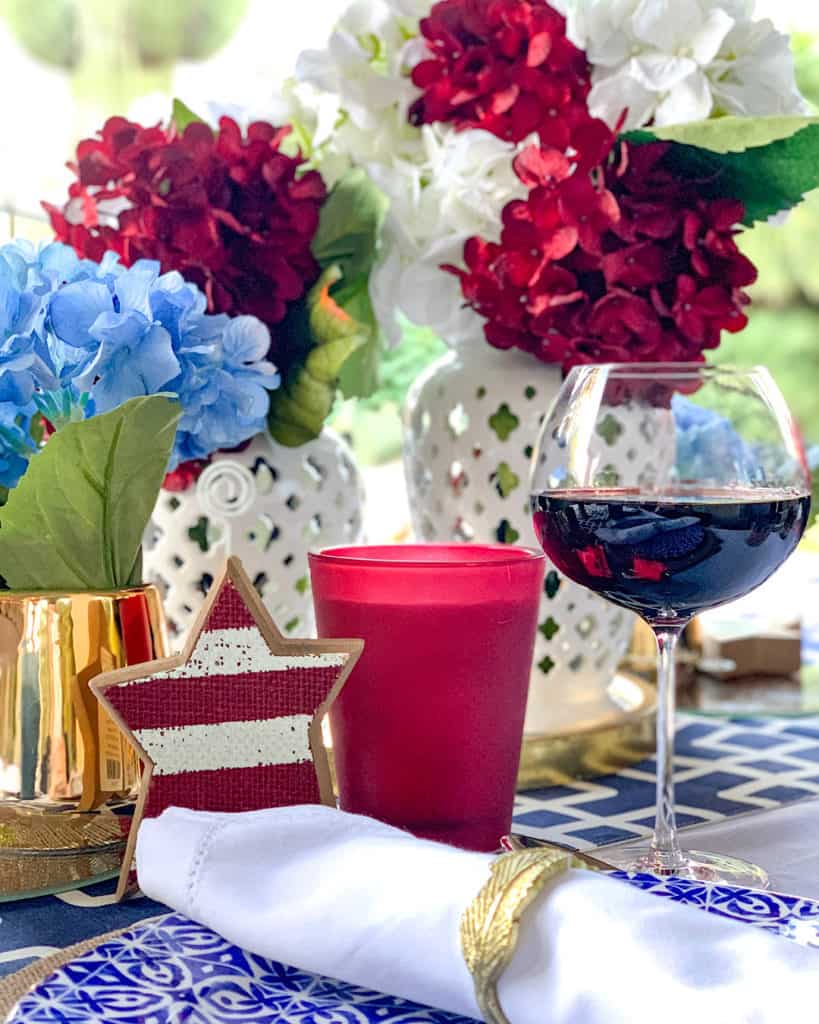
[(702, 498), (671, 557)]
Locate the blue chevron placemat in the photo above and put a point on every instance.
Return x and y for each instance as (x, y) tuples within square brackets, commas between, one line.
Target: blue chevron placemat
[(722, 768)]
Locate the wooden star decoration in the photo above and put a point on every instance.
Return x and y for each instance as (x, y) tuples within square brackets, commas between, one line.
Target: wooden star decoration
[(234, 722)]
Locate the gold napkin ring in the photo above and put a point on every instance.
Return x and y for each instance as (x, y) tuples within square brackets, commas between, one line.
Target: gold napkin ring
[(490, 924)]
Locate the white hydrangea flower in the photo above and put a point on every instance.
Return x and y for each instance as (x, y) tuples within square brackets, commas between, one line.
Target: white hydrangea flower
[(361, 64), (457, 191), (385, 280), (672, 62), (408, 281), (458, 184), (365, 71), (431, 297)]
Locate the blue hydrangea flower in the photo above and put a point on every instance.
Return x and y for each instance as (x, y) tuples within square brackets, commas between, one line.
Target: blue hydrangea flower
[(78, 338), (134, 356), (708, 445), (234, 384), (16, 444)]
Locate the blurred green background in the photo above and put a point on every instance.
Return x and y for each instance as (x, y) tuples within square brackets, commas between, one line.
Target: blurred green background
[(783, 332)]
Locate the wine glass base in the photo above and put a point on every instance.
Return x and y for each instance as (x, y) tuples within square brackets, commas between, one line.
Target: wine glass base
[(712, 868)]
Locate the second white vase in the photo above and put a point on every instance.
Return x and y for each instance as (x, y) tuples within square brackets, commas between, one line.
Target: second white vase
[(471, 421)]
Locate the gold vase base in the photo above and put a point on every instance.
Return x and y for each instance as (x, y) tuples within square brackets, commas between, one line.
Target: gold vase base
[(616, 737), (44, 850)]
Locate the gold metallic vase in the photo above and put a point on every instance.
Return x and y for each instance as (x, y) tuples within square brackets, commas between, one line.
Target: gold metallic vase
[(62, 759)]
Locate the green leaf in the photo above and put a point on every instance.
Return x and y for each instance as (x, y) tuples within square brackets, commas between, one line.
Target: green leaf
[(303, 402), (350, 226), (339, 331), (359, 376), (76, 519), (768, 178), (182, 116), (729, 134)]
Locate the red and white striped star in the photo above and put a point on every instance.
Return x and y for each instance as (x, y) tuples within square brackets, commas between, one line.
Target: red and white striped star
[(234, 722)]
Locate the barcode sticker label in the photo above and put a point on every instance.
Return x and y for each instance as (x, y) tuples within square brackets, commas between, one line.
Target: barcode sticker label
[(111, 760), (112, 776), (131, 761)]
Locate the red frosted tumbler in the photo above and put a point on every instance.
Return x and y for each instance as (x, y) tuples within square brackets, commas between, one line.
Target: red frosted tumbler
[(428, 729)]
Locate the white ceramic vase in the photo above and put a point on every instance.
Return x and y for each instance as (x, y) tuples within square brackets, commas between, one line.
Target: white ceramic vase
[(268, 505), (471, 421)]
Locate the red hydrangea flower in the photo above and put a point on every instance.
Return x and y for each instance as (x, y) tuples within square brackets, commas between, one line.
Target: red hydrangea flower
[(628, 262), (232, 213), (505, 66)]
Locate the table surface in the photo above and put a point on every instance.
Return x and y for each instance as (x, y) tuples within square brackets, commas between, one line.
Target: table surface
[(723, 768)]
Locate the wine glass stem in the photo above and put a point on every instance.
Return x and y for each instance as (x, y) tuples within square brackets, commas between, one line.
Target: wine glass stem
[(665, 846)]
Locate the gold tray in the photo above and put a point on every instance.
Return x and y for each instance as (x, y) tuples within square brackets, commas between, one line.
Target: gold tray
[(613, 740), (22, 878), (46, 850)]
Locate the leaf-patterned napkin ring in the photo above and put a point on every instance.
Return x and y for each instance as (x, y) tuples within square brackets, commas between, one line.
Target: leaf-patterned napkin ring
[(490, 924)]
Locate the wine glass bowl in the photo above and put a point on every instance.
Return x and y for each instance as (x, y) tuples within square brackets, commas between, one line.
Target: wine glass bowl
[(713, 497)]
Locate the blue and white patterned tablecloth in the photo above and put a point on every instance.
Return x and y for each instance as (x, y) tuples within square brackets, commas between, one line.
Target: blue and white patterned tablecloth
[(723, 768)]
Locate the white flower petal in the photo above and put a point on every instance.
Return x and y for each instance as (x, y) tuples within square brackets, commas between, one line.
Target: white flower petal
[(601, 29), (366, 18), (705, 43), (660, 72), (346, 51), (739, 10), (689, 100), (412, 53), (385, 290), (318, 68), (613, 93), (664, 25), (414, 9), (432, 298)]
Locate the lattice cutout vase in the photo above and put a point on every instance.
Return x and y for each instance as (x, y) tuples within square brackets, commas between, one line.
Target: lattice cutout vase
[(268, 505), (470, 423)]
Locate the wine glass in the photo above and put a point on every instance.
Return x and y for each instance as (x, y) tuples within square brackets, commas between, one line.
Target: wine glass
[(669, 489)]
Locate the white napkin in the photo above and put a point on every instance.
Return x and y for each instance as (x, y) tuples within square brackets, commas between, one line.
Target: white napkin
[(353, 899)]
